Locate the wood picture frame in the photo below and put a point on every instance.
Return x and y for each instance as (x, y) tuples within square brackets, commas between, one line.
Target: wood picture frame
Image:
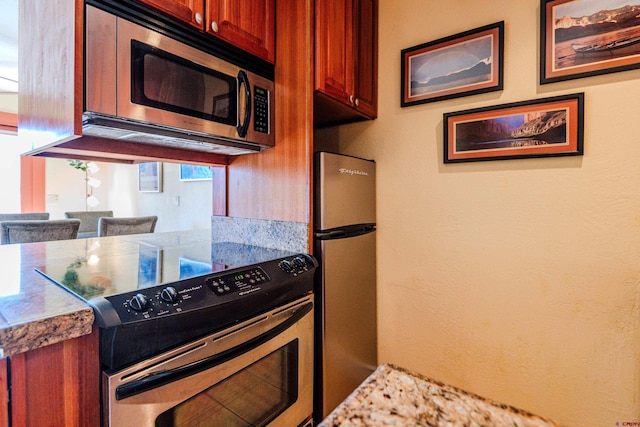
[(537, 128), (583, 38), (150, 177), (463, 64)]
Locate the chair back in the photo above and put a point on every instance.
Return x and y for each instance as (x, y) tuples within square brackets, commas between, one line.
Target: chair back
[(29, 231), (122, 226), (89, 221), (24, 216)]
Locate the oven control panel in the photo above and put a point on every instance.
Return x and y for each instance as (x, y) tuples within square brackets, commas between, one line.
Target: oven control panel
[(241, 282), (221, 289)]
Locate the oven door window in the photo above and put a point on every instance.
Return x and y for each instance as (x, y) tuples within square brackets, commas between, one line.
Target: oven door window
[(163, 80), (253, 396)]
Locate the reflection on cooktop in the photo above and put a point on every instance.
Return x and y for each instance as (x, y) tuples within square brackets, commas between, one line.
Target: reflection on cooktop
[(96, 271)]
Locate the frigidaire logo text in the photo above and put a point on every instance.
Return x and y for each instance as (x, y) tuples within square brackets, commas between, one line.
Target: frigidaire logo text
[(344, 171)]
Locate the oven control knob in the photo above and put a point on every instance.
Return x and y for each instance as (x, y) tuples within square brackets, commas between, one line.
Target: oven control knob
[(286, 266), (139, 302), (299, 262), (169, 294)]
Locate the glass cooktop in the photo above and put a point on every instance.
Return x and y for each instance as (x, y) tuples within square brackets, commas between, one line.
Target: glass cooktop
[(101, 268)]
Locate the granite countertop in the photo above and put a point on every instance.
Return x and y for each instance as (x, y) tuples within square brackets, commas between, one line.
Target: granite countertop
[(34, 311), (393, 396)]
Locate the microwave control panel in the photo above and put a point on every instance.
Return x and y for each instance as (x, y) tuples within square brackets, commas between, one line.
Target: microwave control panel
[(261, 100)]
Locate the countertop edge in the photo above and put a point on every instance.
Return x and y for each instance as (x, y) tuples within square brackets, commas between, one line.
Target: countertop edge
[(356, 401), (31, 335)]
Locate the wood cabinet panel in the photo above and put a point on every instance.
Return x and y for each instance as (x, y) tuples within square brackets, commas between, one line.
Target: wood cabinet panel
[(189, 11), (247, 24), (57, 385), (346, 63), (276, 183), (334, 58)]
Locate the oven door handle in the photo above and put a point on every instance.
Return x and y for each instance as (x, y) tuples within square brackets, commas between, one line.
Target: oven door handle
[(159, 379)]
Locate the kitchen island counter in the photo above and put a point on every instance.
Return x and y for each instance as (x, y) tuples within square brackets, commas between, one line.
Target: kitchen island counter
[(393, 396), (34, 311)]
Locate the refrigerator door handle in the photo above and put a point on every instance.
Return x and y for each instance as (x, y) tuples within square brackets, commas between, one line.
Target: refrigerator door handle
[(335, 234), (344, 232)]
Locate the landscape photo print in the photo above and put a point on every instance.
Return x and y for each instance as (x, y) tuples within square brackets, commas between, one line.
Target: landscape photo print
[(463, 64), (581, 38), (537, 128)]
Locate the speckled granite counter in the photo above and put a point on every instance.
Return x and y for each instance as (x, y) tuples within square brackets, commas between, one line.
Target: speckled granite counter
[(35, 312), (392, 396)]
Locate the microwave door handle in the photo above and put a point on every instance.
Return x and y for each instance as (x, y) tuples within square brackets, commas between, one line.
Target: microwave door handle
[(243, 80), (165, 377)]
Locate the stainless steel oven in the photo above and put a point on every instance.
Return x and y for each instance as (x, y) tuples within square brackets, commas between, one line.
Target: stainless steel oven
[(195, 333), (256, 373)]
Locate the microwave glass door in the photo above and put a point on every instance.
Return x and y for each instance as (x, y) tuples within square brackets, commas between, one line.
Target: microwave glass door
[(253, 396), (166, 81)]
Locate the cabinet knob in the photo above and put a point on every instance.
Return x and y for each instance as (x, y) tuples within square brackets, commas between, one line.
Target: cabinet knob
[(214, 26), (198, 18), (351, 99), (356, 102)]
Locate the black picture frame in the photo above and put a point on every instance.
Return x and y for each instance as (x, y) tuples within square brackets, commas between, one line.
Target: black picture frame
[(578, 40), (463, 64), (545, 127)]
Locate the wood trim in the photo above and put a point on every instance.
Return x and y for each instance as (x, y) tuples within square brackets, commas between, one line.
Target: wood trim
[(8, 122), (219, 190), (57, 385), (32, 184)]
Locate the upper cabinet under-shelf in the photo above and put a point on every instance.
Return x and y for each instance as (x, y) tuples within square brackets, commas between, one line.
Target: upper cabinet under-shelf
[(246, 24), (346, 68)]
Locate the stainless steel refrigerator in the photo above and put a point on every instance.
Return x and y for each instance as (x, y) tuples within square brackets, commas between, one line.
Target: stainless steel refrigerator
[(345, 293)]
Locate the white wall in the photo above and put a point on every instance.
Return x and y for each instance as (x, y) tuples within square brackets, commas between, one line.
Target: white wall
[(182, 205), (518, 280)]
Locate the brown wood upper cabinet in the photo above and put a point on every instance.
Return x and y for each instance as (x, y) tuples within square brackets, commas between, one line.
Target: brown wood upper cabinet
[(346, 60), (247, 24), (189, 11)]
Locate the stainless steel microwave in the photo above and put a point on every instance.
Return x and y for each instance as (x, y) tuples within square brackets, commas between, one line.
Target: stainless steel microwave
[(143, 86)]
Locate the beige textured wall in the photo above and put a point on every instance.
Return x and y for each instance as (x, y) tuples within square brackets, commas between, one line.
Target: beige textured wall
[(518, 280)]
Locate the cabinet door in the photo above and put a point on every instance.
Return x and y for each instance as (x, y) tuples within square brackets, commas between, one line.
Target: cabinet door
[(366, 52), (57, 385), (247, 24), (334, 55), (189, 11)]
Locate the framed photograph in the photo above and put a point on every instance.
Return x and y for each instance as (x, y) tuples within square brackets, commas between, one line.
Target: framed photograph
[(582, 38), (195, 173), (150, 177), (460, 65), (538, 128)]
